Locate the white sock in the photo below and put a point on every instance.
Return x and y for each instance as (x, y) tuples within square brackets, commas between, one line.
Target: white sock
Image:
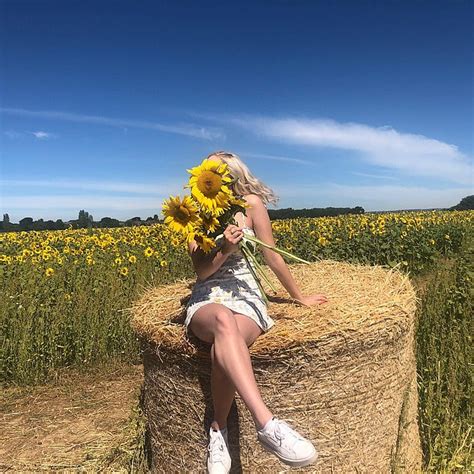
[(222, 430), (269, 425)]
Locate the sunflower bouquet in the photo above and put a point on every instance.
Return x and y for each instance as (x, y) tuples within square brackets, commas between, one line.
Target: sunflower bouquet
[(209, 209)]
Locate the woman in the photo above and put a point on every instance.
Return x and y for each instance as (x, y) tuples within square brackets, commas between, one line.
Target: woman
[(226, 310)]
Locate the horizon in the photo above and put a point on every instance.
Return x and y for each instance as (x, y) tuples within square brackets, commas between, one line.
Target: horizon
[(144, 218), (330, 105)]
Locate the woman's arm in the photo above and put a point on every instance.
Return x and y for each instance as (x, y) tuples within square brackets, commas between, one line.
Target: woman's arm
[(205, 264), (263, 231)]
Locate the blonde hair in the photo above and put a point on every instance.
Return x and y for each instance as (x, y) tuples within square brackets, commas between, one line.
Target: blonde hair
[(247, 182)]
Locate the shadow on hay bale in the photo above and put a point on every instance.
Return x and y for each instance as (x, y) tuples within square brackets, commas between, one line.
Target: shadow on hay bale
[(343, 374)]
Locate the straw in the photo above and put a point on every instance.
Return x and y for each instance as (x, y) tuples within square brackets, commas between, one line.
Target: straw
[(342, 373)]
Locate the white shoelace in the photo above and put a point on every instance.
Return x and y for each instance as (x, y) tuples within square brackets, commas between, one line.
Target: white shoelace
[(216, 448), (285, 433)]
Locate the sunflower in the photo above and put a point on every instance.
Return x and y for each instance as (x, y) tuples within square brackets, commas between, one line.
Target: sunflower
[(209, 185), (124, 271), (209, 222), (239, 201), (148, 252), (49, 271), (204, 242), (180, 214)]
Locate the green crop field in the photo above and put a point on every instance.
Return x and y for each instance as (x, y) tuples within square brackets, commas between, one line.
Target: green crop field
[(64, 294)]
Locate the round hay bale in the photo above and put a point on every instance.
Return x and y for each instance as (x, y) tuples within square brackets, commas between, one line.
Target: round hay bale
[(342, 373)]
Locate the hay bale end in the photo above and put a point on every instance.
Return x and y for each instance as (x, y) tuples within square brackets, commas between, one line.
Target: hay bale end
[(342, 373)]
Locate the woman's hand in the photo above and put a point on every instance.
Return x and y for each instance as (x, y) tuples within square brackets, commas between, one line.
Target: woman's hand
[(311, 300), (232, 236)]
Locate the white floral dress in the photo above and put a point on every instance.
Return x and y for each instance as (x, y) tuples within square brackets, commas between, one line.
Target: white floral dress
[(233, 286)]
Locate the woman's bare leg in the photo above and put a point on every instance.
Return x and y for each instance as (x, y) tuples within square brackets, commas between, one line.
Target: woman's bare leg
[(216, 324), (223, 393), (223, 389)]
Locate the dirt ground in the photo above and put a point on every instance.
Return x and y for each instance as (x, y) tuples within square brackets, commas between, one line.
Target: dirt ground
[(79, 422)]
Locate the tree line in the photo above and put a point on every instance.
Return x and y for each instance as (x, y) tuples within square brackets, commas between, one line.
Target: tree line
[(86, 220)]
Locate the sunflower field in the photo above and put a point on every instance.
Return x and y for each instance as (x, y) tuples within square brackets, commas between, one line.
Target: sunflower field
[(64, 292)]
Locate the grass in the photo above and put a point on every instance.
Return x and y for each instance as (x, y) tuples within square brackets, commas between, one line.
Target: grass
[(131, 455), (444, 353)]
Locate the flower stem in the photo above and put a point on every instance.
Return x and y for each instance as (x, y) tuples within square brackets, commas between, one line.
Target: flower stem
[(275, 249), (259, 268), (244, 252)]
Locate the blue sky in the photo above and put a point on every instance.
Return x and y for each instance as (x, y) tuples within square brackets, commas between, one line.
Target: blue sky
[(105, 104)]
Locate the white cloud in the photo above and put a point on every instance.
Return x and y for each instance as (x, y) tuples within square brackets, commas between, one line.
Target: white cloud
[(90, 202), (12, 134), (67, 206), (159, 188), (44, 135), (276, 158), (376, 176), (182, 129), (382, 146), (147, 199), (371, 198), (99, 198)]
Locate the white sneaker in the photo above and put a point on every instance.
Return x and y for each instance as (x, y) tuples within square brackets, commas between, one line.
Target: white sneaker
[(289, 446), (218, 457)]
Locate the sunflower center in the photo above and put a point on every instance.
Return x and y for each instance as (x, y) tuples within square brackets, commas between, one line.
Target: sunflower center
[(182, 213), (209, 183)]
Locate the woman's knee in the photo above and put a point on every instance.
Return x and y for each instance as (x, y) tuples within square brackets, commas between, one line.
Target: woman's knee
[(224, 322), (202, 324), (211, 319)]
